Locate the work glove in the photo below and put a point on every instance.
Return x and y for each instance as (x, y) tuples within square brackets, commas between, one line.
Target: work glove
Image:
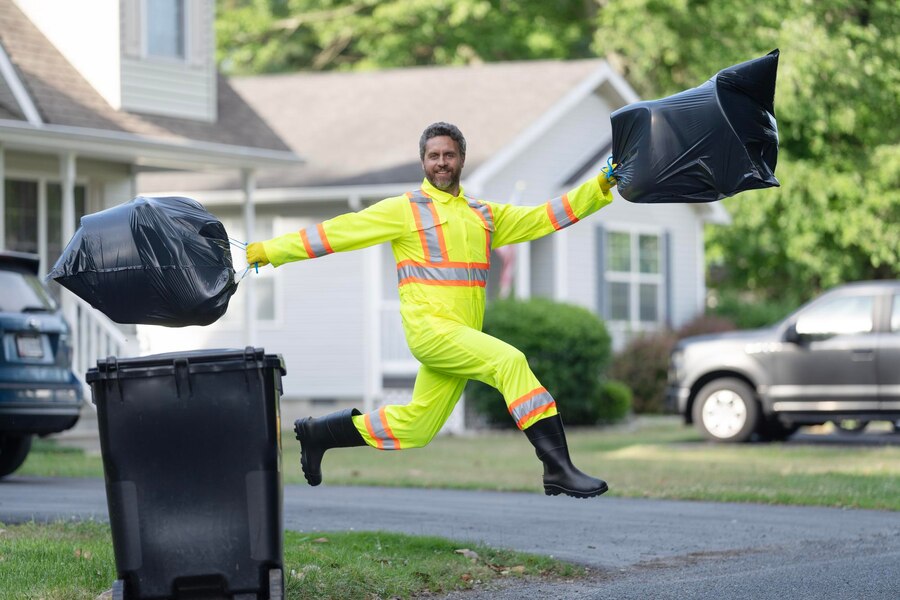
[(256, 254), (607, 176)]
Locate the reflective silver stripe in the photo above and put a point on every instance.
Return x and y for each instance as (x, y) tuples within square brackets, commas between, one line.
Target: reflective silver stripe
[(315, 241), (537, 401), (421, 204), (485, 211), (559, 213), (442, 274), (830, 406), (822, 391), (380, 431)]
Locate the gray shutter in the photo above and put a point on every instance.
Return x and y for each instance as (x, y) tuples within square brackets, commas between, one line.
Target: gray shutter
[(600, 254), (669, 299), (131, 28), (199, 30)]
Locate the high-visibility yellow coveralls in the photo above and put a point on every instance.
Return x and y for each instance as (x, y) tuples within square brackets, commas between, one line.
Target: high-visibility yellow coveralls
[(442, 245)]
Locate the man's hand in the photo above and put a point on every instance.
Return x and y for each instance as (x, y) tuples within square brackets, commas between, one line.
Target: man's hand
[(606, 178), (256, 254)]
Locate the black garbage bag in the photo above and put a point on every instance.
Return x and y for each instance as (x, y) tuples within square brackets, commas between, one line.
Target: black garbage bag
[(703, 144), (153, 261)]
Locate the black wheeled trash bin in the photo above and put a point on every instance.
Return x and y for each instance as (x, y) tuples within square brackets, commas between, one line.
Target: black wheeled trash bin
[(191, 450)]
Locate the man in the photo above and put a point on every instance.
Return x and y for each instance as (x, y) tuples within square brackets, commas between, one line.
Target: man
[(442, 241)]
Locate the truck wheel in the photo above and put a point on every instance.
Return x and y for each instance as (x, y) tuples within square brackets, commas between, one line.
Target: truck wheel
[(726, 410), (13, 452)]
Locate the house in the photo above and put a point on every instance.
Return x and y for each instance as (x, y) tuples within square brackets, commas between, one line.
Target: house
[(534, 130), (91, 95)]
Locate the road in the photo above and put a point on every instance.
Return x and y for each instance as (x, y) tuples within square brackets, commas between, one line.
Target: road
[(635, 548)]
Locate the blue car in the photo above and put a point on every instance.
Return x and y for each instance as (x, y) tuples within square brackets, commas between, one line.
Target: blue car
[(39, 393)]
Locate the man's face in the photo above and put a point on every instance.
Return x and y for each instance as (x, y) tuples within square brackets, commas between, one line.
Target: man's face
[(443, 163)]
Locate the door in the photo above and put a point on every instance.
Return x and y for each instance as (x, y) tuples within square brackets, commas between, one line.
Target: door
[(831, 368)]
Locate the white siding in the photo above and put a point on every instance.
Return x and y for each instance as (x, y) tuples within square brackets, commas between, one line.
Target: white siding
[(185, 89), (168, 88), (320, 318)]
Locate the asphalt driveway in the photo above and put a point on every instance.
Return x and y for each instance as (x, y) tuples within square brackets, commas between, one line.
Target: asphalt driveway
[(635, 548)]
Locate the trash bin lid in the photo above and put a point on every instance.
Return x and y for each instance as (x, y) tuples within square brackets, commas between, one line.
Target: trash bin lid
[(195, 361)]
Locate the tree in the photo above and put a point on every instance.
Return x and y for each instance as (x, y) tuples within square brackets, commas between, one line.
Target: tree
[(263, 36)]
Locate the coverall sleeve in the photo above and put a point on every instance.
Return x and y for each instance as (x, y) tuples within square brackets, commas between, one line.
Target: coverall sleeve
[(381, 222), (514, 224)]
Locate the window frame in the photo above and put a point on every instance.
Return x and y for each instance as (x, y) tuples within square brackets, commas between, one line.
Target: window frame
[(634, 278), (145, 35)]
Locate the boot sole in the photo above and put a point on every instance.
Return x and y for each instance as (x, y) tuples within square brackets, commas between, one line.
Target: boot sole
[(556, 490), (311, 479)]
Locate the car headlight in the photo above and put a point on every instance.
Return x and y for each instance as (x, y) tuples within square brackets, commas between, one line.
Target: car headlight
[(676, 365)]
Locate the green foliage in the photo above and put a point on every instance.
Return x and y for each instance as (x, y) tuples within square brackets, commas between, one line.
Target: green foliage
[(642, 365), (614, 402), (264, 36), (751, 314), (568, 348)]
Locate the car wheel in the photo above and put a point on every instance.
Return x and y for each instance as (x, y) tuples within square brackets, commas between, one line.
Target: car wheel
[(851, 425), (13, 451), (726, 410)]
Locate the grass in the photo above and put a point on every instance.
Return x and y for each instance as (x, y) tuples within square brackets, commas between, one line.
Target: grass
[(653, 458), (74, 561)]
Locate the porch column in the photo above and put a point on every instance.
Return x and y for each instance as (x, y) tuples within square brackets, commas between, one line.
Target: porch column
[(2, 198), (67, 227), (42, 228), (248, 179)]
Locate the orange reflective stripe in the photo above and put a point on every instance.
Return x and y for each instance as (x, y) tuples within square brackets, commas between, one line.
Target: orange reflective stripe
[(322, 235), (306, 244), (387, 428), (442, 243), (553, 220), (378, 443), (568, 209)]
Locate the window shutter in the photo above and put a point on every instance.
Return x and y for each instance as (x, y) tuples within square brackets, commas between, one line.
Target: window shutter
[(667, 278), (199, 30), (600, 254), (131, 28)]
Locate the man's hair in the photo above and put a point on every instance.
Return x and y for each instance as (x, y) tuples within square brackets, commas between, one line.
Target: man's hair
[(441, 128)]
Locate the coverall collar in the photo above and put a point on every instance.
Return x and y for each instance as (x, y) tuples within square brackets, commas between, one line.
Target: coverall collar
[(440, 195)]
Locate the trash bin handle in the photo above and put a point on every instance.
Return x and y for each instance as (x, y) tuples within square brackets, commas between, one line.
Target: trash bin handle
[(182, 371)]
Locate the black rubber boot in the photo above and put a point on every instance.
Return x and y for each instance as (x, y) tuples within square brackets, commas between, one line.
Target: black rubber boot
[(560, 475), (318, 435)]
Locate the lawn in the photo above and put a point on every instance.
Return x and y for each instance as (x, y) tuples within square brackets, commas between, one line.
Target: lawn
[(649, 458)]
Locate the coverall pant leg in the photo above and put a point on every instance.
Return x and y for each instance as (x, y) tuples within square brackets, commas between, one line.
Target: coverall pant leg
[(451, 353)]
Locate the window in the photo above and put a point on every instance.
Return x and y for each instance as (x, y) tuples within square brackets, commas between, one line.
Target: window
[(165, 28), (834, 316), (22, 216), (633, 278), (265, 282)]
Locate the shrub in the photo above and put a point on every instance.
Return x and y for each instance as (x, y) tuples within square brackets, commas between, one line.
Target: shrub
[(567, 346), (749, 313), (614, 401), (643, 363)]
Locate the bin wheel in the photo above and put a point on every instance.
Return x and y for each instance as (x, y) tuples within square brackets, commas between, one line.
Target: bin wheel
[(276, 584), (118, 590)]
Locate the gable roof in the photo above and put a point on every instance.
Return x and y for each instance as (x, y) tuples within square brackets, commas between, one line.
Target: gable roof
[(67, 104), (360, 128)]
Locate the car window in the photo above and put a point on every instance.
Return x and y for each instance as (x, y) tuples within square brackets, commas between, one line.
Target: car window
[(895, 315), (841, 315), (23, 292)]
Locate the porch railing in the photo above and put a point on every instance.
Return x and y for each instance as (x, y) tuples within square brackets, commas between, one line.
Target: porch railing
[(94, 336)]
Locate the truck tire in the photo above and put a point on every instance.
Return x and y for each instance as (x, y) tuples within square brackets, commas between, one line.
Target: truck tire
[(13, 452), (726, 410)]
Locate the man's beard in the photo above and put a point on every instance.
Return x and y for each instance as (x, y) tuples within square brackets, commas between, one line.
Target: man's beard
[(453, 181)]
